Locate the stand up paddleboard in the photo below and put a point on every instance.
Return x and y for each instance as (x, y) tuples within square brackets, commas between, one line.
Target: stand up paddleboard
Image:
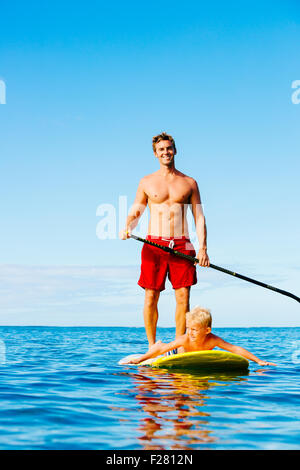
[(199, 360)]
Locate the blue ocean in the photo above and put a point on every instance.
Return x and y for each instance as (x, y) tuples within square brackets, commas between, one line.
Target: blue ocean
[(62, 388)]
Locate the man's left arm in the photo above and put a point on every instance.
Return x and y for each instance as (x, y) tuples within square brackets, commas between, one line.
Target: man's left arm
[(200, 224)]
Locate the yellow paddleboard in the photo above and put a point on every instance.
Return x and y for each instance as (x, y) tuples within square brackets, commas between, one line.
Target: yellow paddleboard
[(201, 360)]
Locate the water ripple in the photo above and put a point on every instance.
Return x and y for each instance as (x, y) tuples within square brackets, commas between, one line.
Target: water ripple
[(61, 388)]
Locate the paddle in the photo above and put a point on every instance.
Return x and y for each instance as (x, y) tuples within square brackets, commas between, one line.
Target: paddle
[(218, 268)]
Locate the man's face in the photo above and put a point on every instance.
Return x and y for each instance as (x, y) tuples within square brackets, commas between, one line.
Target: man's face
[(165, 152)]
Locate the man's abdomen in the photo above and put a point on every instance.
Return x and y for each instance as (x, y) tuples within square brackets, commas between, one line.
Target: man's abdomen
[(168, 220)]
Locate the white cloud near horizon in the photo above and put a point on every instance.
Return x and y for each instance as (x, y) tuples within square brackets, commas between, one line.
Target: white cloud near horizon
[(110, 296)]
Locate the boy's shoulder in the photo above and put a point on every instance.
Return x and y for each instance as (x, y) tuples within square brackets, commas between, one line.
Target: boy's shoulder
[(181, 340), (213, 339)]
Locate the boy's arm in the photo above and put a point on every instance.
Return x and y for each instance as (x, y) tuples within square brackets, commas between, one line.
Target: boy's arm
[(159, 348), (241, 351)]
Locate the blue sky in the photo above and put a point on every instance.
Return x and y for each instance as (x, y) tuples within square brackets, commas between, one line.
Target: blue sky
[(87, 86)]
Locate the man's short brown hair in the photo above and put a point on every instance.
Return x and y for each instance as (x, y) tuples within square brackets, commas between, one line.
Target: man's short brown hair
[(162, 136)]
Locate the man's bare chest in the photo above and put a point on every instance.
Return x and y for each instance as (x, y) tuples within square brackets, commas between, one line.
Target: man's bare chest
[(178, 191)]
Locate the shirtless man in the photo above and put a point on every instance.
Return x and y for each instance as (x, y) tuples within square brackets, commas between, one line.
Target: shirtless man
[(168, 193)]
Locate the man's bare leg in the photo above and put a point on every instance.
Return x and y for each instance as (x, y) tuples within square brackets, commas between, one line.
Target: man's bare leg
[(151, 314), (182, 296)]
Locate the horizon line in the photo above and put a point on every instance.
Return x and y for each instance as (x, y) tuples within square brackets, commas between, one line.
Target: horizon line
[(138, 327)]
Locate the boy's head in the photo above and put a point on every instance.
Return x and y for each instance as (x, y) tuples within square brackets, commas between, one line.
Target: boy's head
[(200, 318)]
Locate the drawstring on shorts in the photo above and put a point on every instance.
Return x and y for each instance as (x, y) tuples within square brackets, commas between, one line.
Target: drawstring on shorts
[(171, 243)]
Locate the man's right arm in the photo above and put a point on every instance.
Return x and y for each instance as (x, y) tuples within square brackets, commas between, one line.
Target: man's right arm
[(135, 211)]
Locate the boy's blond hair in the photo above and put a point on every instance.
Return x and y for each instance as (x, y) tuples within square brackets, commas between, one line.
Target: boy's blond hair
[(200, 315)]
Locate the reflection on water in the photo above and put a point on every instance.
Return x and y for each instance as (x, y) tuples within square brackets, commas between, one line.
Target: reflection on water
[(62, 389), (173, 406)]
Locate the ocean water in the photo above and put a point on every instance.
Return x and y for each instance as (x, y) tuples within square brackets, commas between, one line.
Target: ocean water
[(61, 388)]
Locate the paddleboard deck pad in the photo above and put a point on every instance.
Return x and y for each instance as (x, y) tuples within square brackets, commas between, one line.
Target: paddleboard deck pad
[(199, 360)]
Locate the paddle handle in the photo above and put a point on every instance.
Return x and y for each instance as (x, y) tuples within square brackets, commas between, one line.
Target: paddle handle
[(218, 268)]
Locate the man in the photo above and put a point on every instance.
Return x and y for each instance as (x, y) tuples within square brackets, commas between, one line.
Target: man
[(168, 193)]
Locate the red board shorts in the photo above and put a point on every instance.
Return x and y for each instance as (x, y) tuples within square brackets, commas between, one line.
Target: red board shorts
[(157, 264)]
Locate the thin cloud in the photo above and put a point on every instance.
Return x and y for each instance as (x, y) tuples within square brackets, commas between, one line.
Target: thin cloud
[(83, 295)]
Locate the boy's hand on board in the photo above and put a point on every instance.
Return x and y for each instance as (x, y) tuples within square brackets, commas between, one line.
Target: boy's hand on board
[(137, 360)]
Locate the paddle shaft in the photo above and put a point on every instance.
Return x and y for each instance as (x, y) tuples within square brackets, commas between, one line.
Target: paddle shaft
[(218, 268)]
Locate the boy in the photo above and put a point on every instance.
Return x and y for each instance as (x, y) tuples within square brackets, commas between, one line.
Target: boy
[(197, 338)]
